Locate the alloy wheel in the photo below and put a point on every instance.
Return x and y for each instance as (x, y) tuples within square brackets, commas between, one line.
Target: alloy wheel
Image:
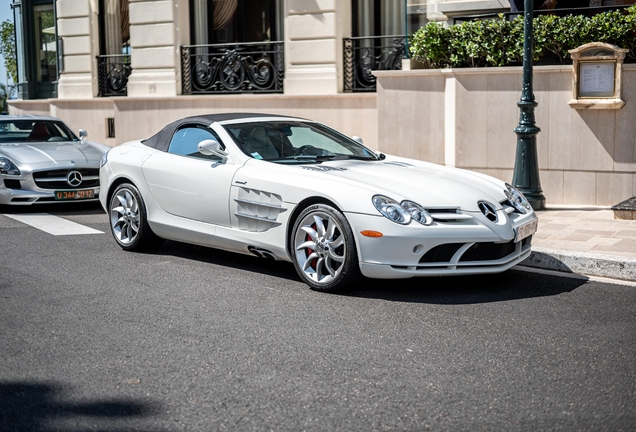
[(124, 216)]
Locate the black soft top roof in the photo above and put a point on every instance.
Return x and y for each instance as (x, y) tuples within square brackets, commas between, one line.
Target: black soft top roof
[(161, 140)]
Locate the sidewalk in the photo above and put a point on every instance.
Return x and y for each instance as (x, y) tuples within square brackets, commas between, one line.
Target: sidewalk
[(585, 241)]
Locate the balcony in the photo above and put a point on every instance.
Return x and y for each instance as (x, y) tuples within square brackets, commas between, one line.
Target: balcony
[(255, 67), (365, 54), (113, 72)]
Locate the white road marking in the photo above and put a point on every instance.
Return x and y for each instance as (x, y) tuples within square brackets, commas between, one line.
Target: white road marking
[(52, 224)]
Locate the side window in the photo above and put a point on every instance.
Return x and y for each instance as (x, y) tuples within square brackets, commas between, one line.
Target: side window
[(184, 142)]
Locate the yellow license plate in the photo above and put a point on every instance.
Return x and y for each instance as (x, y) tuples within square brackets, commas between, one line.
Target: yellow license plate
[(74, 194)]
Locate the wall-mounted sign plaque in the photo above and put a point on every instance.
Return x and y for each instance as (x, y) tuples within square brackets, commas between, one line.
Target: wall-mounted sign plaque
[(596, 76)]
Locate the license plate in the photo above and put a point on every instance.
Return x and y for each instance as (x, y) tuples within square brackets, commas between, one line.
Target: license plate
[(526, 230), (74, 194)]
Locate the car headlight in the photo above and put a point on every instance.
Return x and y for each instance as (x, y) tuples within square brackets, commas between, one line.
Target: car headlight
[(417, 212), (517, 199), (402, 213), (391, 209), (8, 167), (103, 160)]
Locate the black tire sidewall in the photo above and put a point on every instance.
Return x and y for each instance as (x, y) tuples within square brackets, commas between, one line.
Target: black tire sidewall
[(350, 268), (145, 238)]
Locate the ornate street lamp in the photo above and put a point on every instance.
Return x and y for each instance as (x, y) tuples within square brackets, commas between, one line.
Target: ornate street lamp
[(526, 171)]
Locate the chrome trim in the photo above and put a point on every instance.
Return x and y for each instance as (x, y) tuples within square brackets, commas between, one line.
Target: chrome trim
[(258, 218), (262, 204)]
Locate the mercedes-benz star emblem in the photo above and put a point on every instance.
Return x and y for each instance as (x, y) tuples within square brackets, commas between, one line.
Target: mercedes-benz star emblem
[(74, 178), (488, 210)]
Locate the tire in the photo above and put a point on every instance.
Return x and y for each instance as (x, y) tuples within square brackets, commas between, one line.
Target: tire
[(323, 248), (128, 220)]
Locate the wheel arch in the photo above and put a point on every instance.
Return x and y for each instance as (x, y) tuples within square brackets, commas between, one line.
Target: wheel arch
[(297, 210), (115, 184)]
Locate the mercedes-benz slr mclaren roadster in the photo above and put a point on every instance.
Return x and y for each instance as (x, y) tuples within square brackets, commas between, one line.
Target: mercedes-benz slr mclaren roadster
[(296, 190), (42, 161)]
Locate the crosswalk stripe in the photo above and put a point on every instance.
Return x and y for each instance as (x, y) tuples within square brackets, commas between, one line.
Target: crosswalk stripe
[(52, 224)]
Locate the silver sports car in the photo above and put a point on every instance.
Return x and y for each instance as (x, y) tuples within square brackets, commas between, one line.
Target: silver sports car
[(42, 161)]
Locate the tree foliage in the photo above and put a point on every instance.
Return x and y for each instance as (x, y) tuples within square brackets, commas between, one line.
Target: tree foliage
[(499, 42), (7, 49)]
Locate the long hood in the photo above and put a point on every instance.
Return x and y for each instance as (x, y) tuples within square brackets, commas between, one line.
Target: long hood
[(430, 185), (35, 153)]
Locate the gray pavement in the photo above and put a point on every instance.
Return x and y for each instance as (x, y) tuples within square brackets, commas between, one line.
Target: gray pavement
[(586, 241)]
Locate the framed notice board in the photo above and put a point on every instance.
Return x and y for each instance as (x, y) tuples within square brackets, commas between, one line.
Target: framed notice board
[(596, 76)]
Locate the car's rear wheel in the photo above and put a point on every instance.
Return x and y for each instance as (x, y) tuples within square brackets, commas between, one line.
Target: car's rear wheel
[(128, 220), (324, 249)]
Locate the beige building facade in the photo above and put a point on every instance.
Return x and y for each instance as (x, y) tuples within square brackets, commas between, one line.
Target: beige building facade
[(463, 118)]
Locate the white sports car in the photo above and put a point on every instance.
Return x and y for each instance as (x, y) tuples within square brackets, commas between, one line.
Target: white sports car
[(296, 190), (42, 161)]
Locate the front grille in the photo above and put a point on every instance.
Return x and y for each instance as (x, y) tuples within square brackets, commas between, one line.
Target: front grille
[(488, 251), (483, 251), (441, 253), (56, 179)]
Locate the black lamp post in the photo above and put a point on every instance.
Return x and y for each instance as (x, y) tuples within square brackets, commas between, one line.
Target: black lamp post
[(526, 171)]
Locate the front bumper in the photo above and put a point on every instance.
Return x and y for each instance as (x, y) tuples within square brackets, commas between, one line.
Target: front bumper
[(22, 190), (475, 246)]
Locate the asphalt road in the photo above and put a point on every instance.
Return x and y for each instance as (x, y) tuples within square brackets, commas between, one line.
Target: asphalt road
[(195, 339)]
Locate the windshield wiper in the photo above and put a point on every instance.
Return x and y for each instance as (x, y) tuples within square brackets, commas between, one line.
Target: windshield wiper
[(324, 158), (321, 158)]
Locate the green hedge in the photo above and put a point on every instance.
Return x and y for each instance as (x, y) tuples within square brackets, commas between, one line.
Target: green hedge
[(499, 42)]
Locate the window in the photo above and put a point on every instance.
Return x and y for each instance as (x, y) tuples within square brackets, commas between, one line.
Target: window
[(291, 142), (184, 142), (231, 21), (113, 63), (378, 18), (46, 46), (34, 131), (114, 27)]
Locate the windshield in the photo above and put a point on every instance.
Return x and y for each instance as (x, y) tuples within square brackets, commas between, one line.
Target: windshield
[(295, 141), (14, 131)]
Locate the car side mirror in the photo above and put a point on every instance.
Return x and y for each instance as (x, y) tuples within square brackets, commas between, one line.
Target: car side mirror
[(357, 139), (82, 134), (212, 147)]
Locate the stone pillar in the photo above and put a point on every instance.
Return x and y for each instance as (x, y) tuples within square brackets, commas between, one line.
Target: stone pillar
[(154, 40), (313, 45), (77, 27)]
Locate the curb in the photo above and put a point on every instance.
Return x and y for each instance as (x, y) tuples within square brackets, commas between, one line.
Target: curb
[(607, 266)]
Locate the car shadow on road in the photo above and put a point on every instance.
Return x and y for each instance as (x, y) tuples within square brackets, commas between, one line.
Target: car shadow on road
[(37, 406), (510, 285), (270, 267)]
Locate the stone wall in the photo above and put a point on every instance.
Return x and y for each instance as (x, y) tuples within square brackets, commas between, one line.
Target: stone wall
[(466, 117)]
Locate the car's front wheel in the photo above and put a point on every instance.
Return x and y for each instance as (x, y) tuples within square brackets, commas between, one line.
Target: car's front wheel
[(128, 220), (324, 249)]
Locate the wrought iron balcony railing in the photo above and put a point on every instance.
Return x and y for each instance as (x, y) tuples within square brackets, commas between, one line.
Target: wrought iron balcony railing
[(365, 54), (255, 67), (113, 72)]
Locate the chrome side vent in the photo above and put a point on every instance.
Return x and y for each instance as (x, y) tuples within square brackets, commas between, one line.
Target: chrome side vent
[(257, 211)]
